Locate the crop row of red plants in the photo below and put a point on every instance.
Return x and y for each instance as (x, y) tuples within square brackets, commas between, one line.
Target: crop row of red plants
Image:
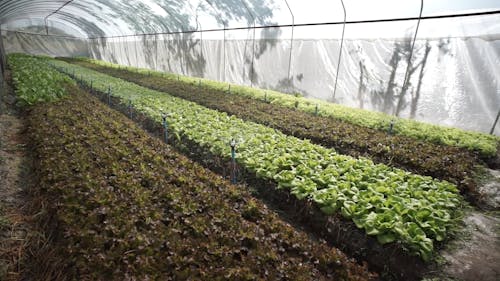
[(454, 164), (126, 206)]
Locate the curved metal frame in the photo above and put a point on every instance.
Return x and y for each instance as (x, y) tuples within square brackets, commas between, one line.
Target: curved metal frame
[(291, 44), (156, 52), (201, 34), (136, 42), (340, 52), (54, 12), (495, 123), (408, 64), (253, 43), (224, 24)]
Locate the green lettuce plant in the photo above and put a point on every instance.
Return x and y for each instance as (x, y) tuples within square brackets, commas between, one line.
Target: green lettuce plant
[(384, 201)]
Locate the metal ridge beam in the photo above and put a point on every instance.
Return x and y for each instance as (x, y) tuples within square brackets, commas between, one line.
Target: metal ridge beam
[(54, 12)]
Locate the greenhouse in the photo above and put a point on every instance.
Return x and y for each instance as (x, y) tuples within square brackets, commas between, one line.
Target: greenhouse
[(249, 140)]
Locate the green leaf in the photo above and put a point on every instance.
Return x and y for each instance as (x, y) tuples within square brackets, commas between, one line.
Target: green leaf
[(385, 238)]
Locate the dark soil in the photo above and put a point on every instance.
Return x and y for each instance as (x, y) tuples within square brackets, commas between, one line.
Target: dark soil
[(125, 206), (16, 230), (391, 260), (454, 164), (472, 258), (476, 254)]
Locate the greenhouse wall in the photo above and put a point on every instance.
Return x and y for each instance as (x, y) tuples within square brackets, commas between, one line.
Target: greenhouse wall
[(44, 45), (453, 80)]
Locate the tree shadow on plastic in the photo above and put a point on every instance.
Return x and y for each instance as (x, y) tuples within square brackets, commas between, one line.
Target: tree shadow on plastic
[(45, 45), (396, 97)]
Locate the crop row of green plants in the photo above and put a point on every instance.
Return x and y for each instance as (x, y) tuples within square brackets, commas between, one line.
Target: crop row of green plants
[(445, 162), (389, 203), (35, 81), (126, 206), (486, 145)]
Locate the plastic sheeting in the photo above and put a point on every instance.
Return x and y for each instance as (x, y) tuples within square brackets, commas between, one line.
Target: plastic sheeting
[(452, 75), (44, 45)]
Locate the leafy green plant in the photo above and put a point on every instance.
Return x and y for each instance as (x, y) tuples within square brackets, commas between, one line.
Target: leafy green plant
[(35, 81), (441, 161), (129, 207), (382, 200), (485, 144)]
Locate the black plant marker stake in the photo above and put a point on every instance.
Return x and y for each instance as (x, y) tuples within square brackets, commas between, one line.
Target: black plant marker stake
[(391, 127), (316, 110), (130, 108), (165, 127), (109, 95), (233, 161)]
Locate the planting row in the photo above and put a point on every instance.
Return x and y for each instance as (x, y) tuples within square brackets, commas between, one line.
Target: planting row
[(485, 144), (126, 206), (445, 162), (35, 81), (391, 204)]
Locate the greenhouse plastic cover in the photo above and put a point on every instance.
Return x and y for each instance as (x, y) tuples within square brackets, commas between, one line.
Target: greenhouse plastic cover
[(292, 46)]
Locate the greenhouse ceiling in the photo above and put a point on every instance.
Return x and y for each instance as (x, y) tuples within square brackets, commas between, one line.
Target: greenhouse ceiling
[(106, 18)]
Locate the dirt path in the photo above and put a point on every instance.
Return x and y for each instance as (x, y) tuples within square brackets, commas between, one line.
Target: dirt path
[(475, 254), (15, 230)]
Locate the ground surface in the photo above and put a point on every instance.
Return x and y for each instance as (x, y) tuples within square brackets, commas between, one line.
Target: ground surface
[(490, 189), (14, 227), (477, 256)]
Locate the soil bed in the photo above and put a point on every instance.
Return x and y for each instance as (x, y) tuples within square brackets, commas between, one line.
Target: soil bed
[(126, 206), (454, 164), (17, 233), (391, 260)]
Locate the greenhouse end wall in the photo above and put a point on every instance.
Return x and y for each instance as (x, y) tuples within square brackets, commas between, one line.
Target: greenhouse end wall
[(18, 42)]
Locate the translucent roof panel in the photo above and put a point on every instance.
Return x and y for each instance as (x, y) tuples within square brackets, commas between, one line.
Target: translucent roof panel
[(106, 18), (447, 7)]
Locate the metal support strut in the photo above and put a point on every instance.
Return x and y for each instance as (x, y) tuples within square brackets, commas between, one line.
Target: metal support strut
[(291, 46), (340, 52), (495, 123), (408, 65), (46, 19), (200, 28), (224, 25), (253, 43)]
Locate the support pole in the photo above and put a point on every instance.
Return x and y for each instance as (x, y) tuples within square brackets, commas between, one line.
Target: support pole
[(253, 43), (200, 28), (224, 55), (291, 46), (408, 65), (495, 123), (136, 54), (224, 26), (340, 52), (156, 52), (46, 19)]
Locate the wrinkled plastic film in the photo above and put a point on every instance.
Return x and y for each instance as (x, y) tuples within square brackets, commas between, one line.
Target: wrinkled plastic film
[(453, 80)]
